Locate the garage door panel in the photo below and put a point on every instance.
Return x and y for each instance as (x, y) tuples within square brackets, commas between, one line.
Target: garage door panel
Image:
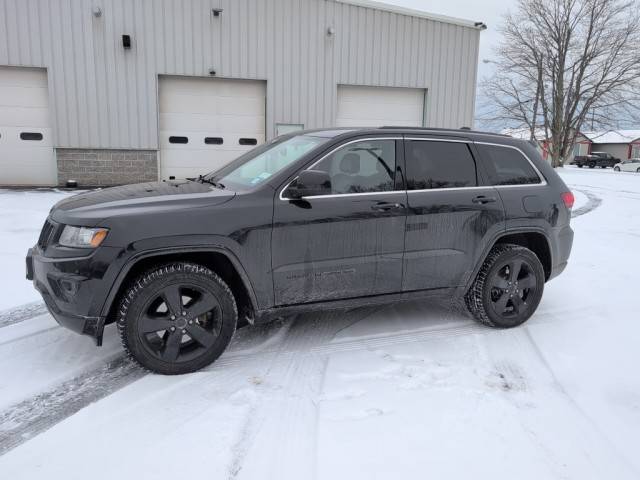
[(27, 156), (17, 76), (10, 137), (375, 106), (213, 105), (23, 96), (207, 107), (211, 86), (212, 125), (196, 142), (380, 110), (24, 117), (247, 106)]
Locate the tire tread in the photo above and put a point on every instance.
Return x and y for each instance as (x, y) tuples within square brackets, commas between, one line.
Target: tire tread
[(148, 277)]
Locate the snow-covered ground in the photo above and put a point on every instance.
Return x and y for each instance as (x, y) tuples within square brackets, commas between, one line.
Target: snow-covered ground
[(406, 391)]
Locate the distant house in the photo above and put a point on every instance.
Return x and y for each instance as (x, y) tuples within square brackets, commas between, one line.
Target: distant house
[(581, 145), (622, 144)]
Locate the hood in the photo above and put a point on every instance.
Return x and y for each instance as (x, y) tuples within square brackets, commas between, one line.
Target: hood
[(140, 198)]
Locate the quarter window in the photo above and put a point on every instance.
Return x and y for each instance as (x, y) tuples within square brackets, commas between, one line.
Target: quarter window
[(437, 164), (507, 166), (361, 167)]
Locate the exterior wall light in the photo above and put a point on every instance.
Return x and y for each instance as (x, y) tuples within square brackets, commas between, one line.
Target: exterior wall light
[(331, 31), (97, 11)]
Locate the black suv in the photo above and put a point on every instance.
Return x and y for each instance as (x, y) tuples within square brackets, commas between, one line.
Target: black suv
[(317, 219)]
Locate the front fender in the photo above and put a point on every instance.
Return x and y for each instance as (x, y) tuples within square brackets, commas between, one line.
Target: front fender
[(176, 245)]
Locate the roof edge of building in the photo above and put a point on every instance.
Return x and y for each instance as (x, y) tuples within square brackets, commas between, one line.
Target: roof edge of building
[(414, 13)]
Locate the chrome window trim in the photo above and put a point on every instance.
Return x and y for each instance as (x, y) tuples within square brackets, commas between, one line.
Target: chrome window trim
[(543, 181), (334, 195)]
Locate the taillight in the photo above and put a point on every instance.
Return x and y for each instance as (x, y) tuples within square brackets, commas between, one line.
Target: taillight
[(568, 199)]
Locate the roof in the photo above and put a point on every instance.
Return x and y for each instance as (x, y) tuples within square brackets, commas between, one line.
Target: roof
[(415, 13), (400, 130), (613, 136)]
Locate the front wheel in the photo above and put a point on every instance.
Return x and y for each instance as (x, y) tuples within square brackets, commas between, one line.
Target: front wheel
[(508, 287), (177, 318), (638, 170), (580, 165), (592, 165), (617, 169)]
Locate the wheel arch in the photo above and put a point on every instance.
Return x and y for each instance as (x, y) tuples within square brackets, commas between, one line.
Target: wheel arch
[(220, 260), (535, 240)]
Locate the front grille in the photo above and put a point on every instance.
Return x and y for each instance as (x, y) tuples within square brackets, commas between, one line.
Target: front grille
[(47, 232)]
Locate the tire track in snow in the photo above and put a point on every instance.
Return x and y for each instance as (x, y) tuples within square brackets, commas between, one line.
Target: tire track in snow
[(537, 351), (35, 415), (593, 202), (283, 396), (305, 339), (21, 313)]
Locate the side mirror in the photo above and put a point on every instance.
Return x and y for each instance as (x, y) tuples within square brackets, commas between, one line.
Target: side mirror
[(309, 183)]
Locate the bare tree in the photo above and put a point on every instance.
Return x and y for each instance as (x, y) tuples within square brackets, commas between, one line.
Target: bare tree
[(563, 64)]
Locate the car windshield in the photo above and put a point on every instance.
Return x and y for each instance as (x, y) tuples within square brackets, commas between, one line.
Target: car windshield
[(258, 165)]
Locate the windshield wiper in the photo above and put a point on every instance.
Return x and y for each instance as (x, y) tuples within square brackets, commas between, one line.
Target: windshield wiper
[(203, 179)]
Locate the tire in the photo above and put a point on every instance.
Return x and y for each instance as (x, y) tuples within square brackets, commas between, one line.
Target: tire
[(617, 169), (603, 166), (166, 334), (638, 170), (491, 298), (592, 165), (580, 165)]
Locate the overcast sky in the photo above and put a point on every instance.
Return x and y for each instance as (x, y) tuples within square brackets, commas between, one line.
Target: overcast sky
[(487, 11)]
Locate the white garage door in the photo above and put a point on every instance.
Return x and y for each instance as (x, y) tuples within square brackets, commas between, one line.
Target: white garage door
[(207, 122), (26, 143), (360, 106)]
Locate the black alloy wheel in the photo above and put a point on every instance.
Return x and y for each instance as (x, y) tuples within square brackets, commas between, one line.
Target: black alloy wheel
[(512, 285), (508, 288), (177, 318), (179, 322)]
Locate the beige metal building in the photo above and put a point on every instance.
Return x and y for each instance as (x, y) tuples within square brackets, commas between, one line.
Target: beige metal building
[(118, 91)]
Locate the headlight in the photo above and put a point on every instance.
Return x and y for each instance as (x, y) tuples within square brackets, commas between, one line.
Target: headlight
[(82, 237)]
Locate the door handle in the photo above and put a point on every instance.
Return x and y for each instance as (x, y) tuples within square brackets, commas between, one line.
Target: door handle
[(386, 206), (482, 199)]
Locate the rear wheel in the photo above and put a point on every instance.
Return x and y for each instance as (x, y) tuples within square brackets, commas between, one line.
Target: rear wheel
[(508, 288), (592, 165), (638, 170), (177, 318), (580, 165)]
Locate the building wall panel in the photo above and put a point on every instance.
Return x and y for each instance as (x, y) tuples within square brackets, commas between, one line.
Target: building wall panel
[(103, 96)]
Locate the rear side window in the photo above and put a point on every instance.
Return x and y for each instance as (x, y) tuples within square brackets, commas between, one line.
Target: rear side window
[(432, 165), (507, 166)]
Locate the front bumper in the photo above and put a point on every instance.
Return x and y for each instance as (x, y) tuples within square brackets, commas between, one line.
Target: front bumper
[(73, 289)]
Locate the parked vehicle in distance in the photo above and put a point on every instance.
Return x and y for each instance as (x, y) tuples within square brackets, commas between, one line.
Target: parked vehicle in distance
[(311, 220), (631, 165), (595, 159)]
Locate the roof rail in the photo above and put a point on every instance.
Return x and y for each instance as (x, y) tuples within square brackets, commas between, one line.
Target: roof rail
[(430, 129)]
